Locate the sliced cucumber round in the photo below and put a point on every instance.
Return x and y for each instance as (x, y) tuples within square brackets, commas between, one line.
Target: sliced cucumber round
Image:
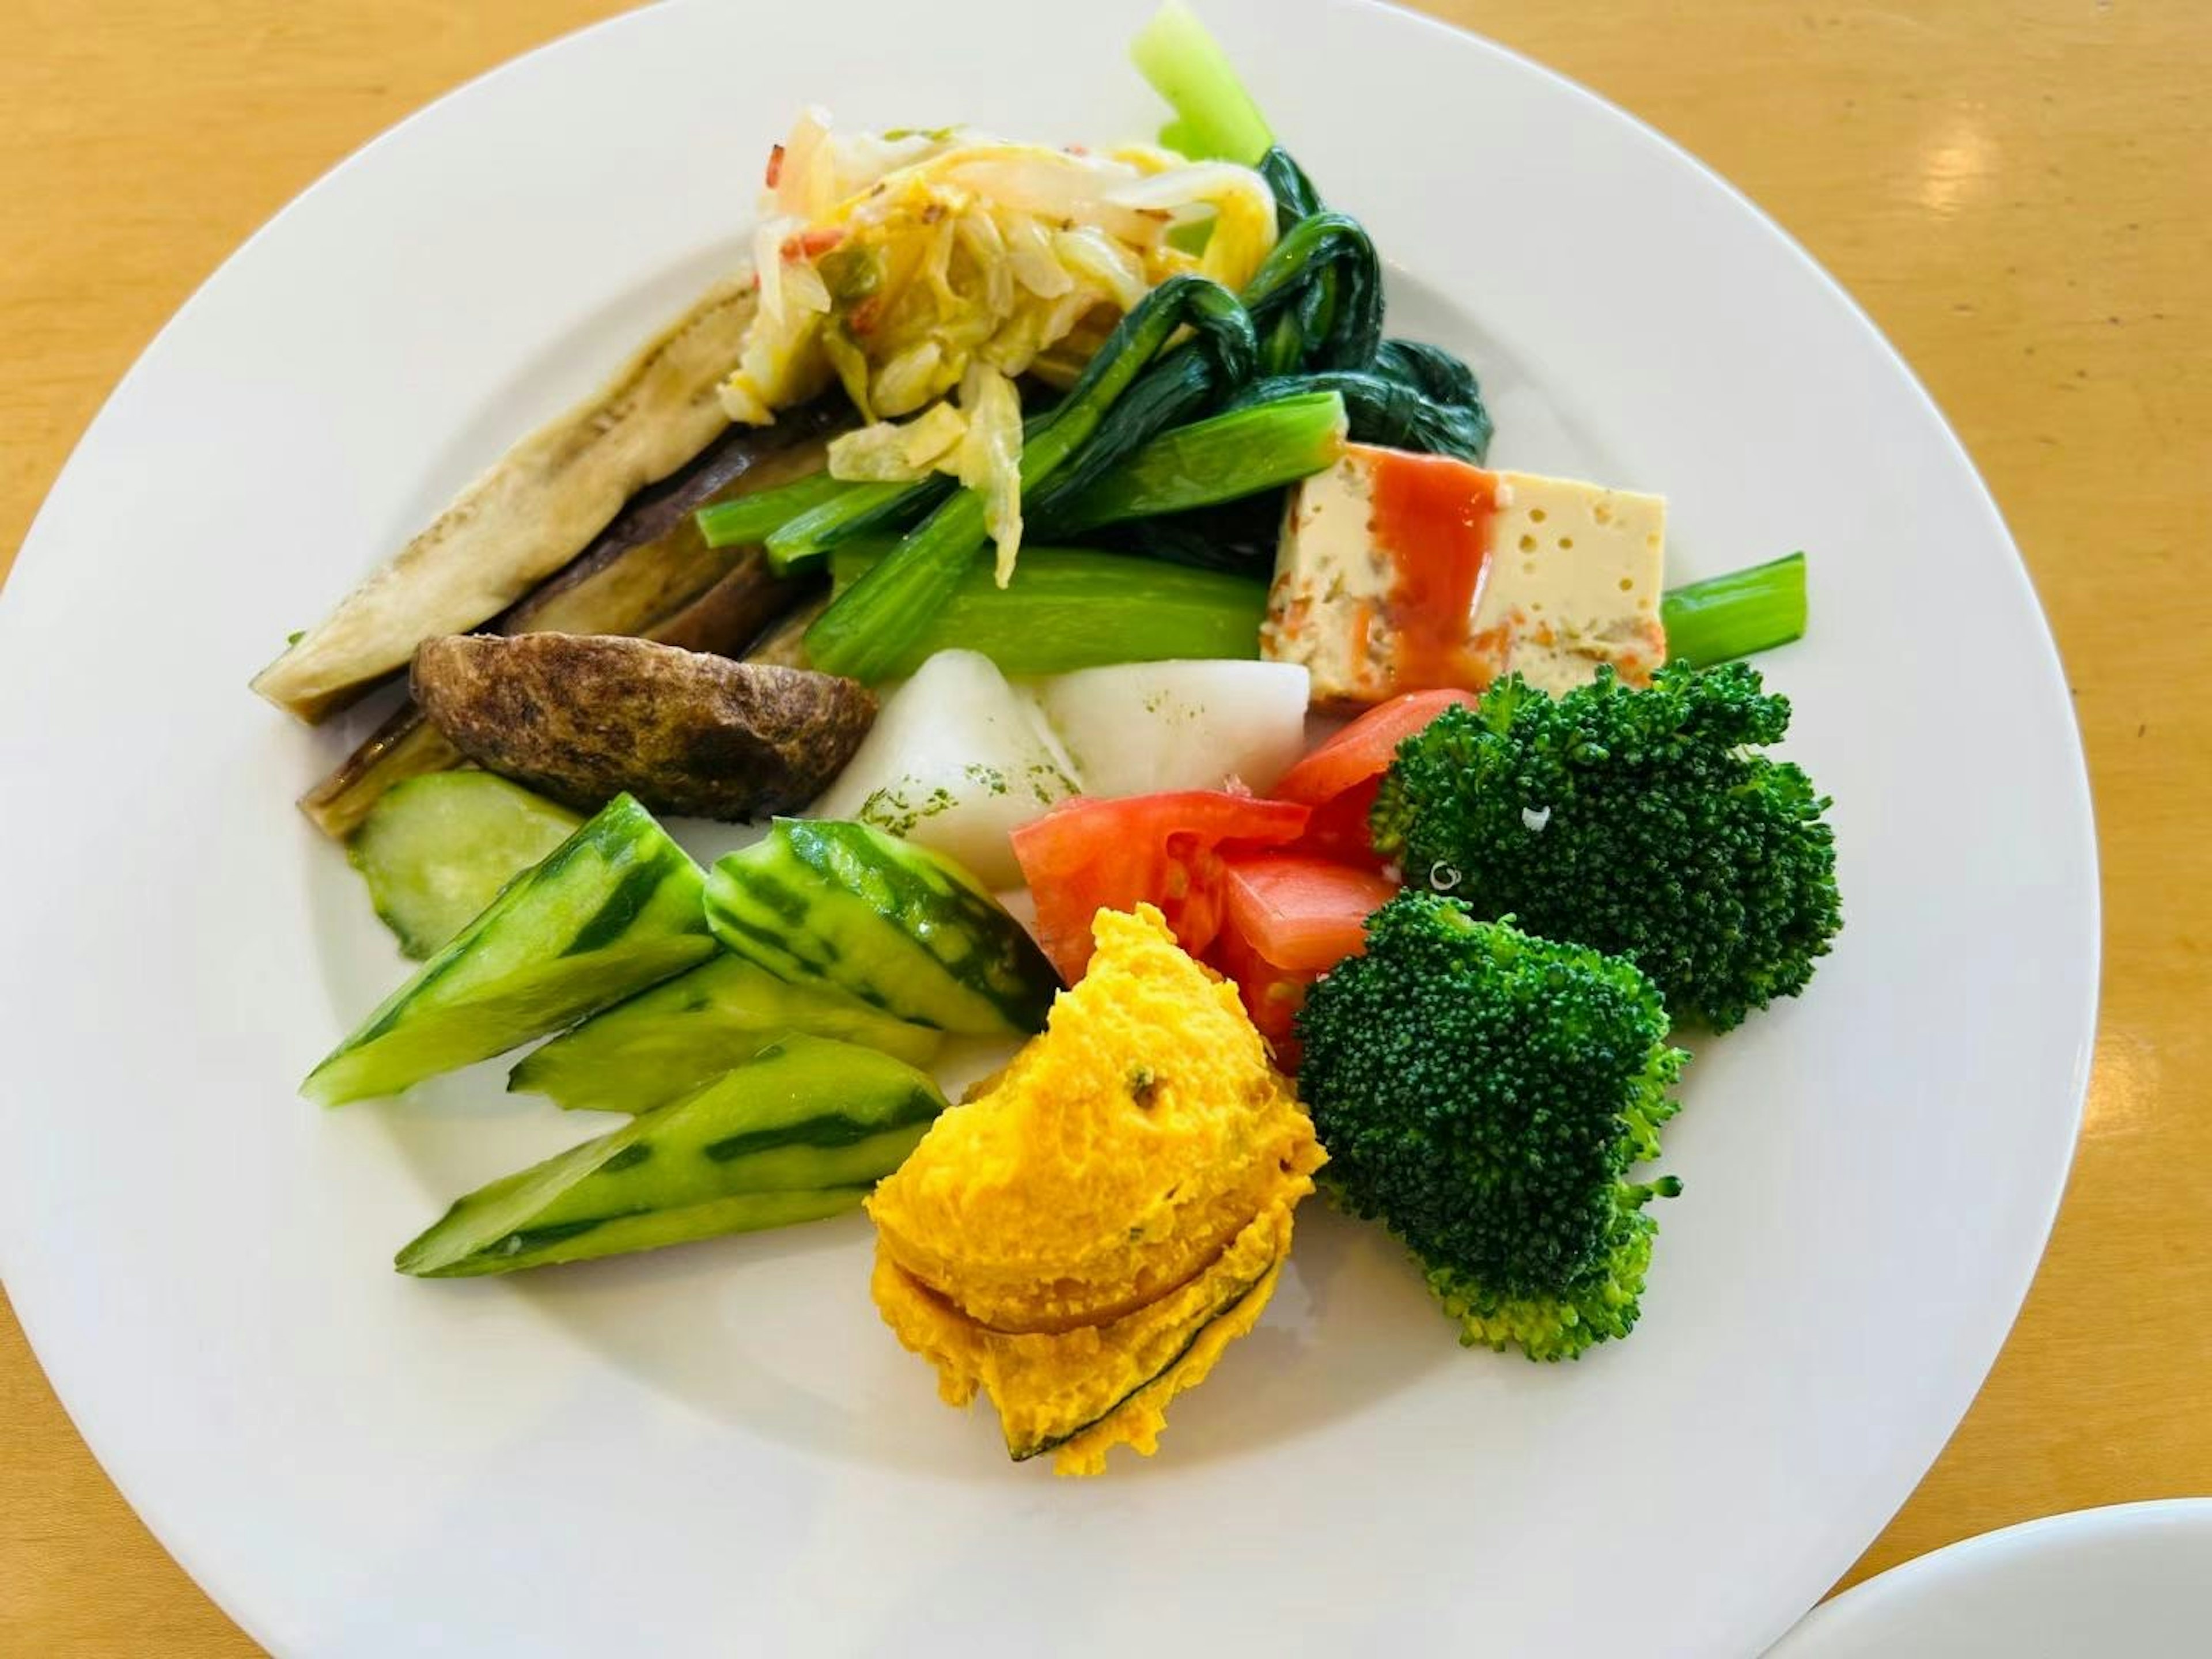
[(436, 850)]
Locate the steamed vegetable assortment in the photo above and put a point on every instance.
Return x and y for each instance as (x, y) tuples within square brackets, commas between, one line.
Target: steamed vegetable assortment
[(1006, 525)]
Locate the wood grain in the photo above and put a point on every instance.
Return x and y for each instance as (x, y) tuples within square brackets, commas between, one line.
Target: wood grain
[(2014, 189)]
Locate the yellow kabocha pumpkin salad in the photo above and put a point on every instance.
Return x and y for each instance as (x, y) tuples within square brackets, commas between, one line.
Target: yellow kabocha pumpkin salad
[(1084, 1235)]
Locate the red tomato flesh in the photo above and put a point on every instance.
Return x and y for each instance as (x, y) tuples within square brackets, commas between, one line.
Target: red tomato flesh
[(1341, 779), (1165, 850), (1338, 830), (1290, 917), (1273, 996), (1303, 913)]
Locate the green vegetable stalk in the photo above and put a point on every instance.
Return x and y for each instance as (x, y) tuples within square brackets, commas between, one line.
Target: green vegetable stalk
[(1215, 116), (1070, 608), (1223, 458), (856, 509), (751, 519), (1267, 442), (1745, 612), (877, 621)]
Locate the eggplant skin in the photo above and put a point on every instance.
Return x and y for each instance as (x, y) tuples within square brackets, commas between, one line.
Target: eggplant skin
[(582, 718)]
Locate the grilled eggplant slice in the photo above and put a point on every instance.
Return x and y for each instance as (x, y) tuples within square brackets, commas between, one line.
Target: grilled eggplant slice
[(528, 516), (651, 562), (648, 573), (406, 746), (733, 613), (581, 719)]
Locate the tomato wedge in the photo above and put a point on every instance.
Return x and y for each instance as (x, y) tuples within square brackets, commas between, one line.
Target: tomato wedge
[(1165, 850), (1273, 996), (1290, 917), (1341, 779), (1364, 749), (1303, 913)]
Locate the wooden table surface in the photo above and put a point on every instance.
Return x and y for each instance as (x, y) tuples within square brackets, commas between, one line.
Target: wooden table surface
[(2015, 189)]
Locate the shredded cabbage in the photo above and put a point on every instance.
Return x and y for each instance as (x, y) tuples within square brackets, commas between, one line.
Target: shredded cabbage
[(889, 452), (907, 266), (1093, 255), (990, 458)]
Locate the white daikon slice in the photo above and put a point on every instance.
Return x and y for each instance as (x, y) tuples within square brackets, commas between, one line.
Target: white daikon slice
[(956, 760), (1137, 728)]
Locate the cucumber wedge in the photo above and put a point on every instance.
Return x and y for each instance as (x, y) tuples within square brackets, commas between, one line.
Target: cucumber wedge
[(614, 908), (663, 1043), (803, 1130), (902, 928), (436, 850)]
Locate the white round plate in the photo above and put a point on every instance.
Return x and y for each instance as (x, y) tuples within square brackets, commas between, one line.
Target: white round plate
[(2134, 1579), (719, 1449)]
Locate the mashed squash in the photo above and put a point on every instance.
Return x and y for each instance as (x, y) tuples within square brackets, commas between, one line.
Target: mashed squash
[(1084, 1235)]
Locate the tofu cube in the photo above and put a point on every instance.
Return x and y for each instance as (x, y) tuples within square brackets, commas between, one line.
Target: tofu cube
[(1407, 572)]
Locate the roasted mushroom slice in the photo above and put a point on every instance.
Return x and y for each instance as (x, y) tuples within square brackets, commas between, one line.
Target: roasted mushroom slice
[(582, 718)]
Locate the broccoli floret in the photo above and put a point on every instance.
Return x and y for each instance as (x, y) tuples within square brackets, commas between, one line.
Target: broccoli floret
[(1486, 1094), (1632, 821)]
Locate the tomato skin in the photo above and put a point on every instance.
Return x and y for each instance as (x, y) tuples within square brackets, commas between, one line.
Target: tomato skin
[(1364, 748), (1165, 850), (1302, 913)]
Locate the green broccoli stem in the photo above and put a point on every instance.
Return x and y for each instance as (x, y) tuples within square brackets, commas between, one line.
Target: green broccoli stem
[(875, 622), (1223, 458), (1746, 612), (1072, 607), (1215, 118)]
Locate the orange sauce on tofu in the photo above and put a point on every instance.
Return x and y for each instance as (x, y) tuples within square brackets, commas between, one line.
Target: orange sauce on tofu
[(1436, 515)]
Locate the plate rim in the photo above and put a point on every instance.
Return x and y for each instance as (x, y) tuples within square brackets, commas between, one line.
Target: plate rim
[(1968, 1556)]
